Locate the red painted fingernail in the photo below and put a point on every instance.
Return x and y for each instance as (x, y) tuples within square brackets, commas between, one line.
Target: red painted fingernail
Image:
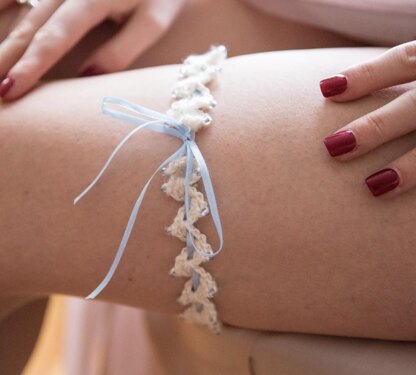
[(92, 70), (6, 85), (382, 181), (333, 85), (340, 143)]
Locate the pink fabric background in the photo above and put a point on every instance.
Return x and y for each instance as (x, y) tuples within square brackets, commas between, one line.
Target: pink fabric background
[(108, 339), (382, 22)]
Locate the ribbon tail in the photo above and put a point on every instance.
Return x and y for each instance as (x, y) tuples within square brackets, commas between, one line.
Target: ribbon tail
[(129, 229), (189, 163), (210, 196), (113, 154)]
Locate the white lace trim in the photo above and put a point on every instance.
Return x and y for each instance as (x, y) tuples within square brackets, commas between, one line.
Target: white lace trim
[(192, 99)]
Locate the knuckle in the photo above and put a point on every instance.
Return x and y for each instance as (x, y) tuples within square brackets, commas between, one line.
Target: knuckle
[(378, 126), (407, 54), (158, 19), (48, 38), (366, 72), (93, 6), (412, 98), (22, 33), (412, 156), (24, 68), (159, 22)]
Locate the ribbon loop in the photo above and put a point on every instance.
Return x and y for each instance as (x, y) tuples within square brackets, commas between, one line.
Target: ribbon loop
[(165, 124)]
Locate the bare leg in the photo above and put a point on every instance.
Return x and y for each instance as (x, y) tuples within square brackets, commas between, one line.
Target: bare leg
[(18, 333), (311, 249), (252, 31)]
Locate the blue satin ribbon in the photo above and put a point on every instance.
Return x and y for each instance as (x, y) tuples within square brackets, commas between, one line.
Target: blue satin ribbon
[(161, 123)]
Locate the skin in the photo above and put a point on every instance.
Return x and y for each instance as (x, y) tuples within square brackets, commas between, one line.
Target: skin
[(308, 270), (40, 37), (243, 39), (395, 66), (46, 32), (308, 296)]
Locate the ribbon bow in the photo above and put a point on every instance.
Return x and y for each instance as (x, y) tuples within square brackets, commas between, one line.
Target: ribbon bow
[(170, 126)]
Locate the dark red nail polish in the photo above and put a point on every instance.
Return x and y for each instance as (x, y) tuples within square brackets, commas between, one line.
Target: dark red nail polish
[(333, 85), (340, 143), (382, 181), (6, 85), (92, 70)]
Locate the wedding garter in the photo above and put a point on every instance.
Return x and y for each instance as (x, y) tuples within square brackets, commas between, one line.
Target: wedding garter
[(183, 169)]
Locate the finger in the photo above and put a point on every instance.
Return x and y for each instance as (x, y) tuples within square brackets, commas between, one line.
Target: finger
[(393, 120), (393, 67), (372, 130), (20, 37), (9, 17), (396, 178), (59, 34), (142, 30)]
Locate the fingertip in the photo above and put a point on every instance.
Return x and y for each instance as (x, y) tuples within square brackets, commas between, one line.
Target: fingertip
[(341, 143), (24, 75), (5, 86), (92, 70), (11, 88), (383, 181), (334, 85)]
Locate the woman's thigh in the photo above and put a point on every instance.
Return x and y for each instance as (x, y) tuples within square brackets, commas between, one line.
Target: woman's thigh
[(312, 251)]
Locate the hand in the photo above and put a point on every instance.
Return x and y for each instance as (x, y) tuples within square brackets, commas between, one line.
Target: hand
[(53, 27), (395, 66)]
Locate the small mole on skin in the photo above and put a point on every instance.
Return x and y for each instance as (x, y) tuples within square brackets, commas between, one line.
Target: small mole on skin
[(130, 278), (251, 365)]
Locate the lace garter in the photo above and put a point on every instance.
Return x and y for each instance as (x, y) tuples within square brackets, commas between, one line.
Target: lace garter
[(183, 169)]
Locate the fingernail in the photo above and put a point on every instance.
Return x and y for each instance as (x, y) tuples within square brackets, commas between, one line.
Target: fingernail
[(6, 85), (92, 70), (382, 181), (333, 85), (340, 143)]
